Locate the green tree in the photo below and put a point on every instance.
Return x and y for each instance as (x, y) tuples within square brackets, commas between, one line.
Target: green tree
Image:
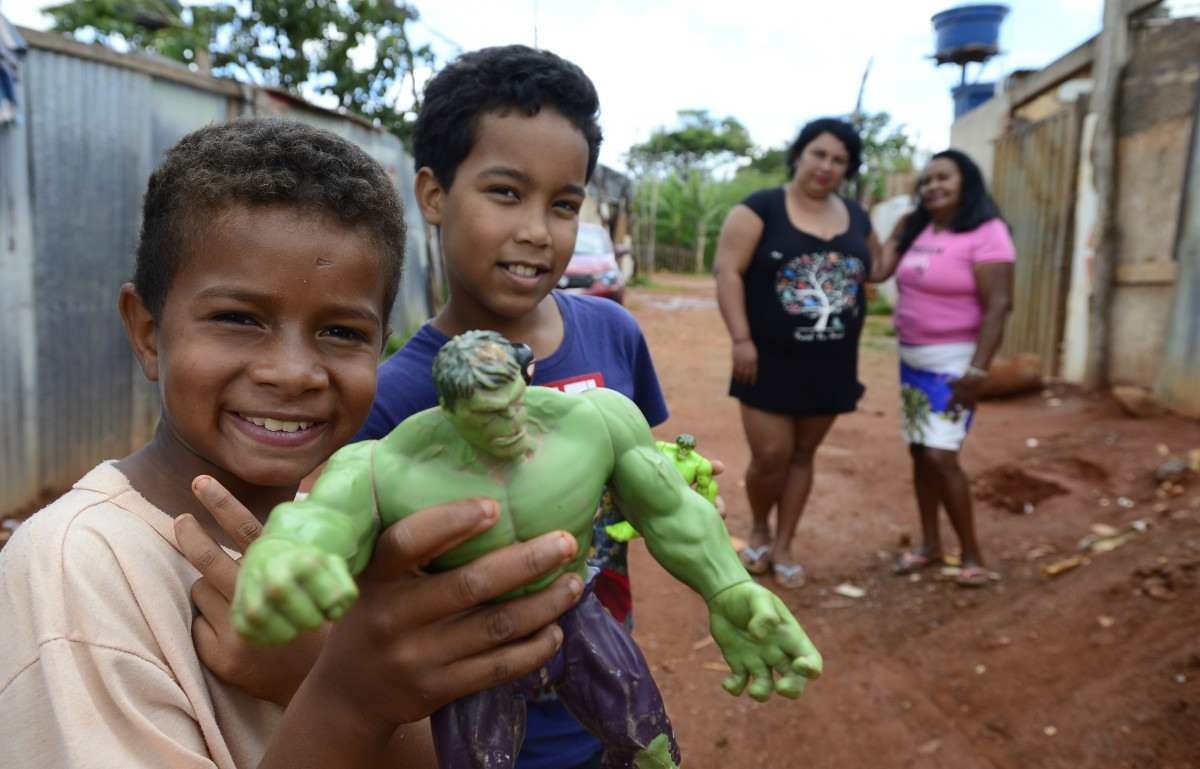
[(769, 161), (887, 150), (355, 50), (686, 154), (699, 142)]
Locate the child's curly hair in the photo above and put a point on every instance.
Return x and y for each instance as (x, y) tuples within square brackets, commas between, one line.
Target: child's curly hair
[(496, 80), (262, 161)]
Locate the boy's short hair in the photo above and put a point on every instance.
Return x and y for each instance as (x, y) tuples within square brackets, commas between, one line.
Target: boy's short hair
[(262, 161), (496, 80)]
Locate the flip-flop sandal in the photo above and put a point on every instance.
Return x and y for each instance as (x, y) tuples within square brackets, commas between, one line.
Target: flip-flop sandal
[(912, 561), (755, 558), (789, 577), (975, 576)]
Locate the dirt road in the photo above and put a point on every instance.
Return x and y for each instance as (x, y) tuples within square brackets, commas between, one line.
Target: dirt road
[(1096, 667)]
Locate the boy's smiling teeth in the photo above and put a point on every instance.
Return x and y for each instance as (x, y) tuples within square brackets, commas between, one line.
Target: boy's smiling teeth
[(278, 425), (522, 270)]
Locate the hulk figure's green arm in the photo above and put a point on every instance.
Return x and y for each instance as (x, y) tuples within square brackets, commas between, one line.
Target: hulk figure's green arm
[(339, 515), (682, 530)]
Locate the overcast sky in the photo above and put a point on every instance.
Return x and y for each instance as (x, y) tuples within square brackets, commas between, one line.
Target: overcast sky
[(771, 64)]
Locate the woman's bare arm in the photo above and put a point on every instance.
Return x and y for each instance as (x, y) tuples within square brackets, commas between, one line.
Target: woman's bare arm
[(884, 256), (739, 237)]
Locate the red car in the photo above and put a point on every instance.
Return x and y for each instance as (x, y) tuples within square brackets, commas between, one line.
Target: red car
[(593, 268)]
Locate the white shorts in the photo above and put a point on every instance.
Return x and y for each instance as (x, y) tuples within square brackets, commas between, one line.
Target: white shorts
[(926, 372)]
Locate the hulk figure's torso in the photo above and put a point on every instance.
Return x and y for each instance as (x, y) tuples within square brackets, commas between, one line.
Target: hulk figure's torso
[(554, 486)]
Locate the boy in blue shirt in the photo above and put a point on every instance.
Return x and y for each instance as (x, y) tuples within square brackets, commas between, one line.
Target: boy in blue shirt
[(505, 144)]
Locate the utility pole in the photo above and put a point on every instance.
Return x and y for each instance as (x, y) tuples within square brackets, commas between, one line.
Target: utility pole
[(856, 119), (862, 86)]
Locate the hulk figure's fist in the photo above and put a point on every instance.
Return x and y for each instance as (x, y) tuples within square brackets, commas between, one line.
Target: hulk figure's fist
[(285, 588), (759, 637)]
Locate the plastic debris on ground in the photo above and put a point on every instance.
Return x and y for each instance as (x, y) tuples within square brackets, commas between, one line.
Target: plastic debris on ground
[(849, 591), (1105, 538), (1061, 567)]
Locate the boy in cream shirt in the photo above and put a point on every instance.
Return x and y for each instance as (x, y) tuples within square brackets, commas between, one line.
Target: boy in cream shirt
[(269, 259)]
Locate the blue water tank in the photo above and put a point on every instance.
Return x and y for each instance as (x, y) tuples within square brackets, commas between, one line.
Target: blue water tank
[(968, 33), (970, 95)]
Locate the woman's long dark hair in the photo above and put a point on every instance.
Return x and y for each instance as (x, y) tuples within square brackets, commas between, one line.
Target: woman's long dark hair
[(975, 203)]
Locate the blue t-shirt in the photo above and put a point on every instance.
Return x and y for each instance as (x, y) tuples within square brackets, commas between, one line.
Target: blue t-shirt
[(602, 346)]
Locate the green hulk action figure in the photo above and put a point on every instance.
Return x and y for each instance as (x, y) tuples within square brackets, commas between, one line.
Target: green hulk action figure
[(696, 470), (546, 457)]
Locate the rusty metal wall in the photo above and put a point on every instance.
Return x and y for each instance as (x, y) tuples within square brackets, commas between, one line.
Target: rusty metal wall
[(72, 175), (1033, 183)]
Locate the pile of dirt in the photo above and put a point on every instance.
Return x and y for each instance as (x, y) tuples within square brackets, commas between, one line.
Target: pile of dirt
[(1011, 488)]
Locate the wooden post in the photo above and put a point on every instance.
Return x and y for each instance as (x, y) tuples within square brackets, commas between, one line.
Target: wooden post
[(1111, 50)]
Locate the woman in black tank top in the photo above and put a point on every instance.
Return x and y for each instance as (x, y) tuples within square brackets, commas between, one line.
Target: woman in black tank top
[(790, 268)]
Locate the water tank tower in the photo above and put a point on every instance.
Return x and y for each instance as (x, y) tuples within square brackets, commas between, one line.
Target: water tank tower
[(966, 34)]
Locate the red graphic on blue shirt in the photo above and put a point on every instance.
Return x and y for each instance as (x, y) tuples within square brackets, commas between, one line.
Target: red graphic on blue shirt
[(577, 384)]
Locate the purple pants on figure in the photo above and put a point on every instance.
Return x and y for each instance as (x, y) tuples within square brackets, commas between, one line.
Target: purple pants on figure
[(599, 674)]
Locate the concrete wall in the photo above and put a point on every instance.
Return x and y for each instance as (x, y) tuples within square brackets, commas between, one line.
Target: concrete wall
[(1158, 102), (975, 133)]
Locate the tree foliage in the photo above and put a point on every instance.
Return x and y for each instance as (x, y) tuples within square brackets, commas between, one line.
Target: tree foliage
[(699, 143), (357, 51), (677, 165), (887, 150), (770, 161)]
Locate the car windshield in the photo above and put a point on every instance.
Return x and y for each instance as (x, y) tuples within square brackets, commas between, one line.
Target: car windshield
[(592, 241)]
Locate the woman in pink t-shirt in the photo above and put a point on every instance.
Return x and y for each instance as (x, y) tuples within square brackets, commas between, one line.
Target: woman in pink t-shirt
[(953, 259)]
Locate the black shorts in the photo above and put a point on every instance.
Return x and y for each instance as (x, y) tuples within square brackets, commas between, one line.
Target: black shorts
[(801, 386)]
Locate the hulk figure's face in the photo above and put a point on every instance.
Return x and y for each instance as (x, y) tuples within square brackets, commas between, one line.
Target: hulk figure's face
[(683, 451), (493, 421)]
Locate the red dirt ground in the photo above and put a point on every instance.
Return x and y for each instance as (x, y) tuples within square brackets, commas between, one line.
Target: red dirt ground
[(1096, 667)]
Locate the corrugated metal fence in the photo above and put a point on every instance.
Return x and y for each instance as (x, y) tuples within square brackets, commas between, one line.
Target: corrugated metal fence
[(1034, 183), (72, 174)]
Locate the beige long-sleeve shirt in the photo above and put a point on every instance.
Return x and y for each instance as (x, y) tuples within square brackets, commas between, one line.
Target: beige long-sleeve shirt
[(97, 664)]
